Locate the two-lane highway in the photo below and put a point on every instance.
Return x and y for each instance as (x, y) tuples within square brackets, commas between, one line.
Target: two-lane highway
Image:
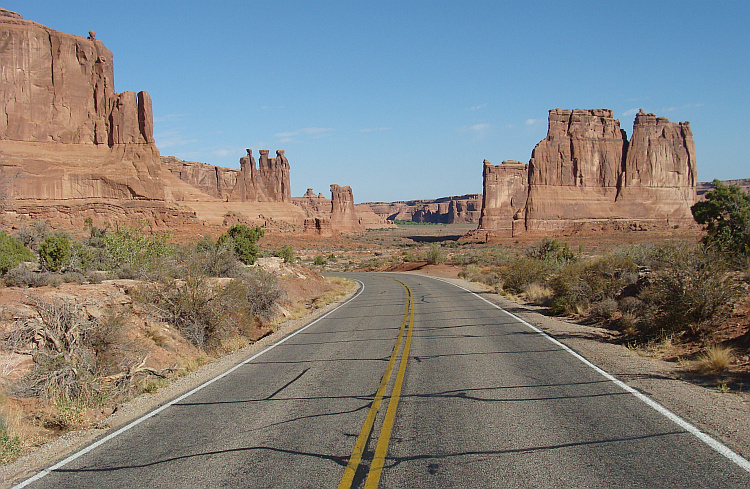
[(427, 380)]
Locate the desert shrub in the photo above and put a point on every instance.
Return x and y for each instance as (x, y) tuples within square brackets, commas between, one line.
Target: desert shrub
[(487, 255), (519, 273), (578, 285), (12, 252), (26, 275), (286, 253), (604, 310), (32, 237), (690, 293), (435, 255), (10, 445), (208, 258), (714, 359), (80, 258), (244, 240), (552, 250), (726, 214), (127, 249), (54, 252), (207, 311), (319, 260), (475, 273)]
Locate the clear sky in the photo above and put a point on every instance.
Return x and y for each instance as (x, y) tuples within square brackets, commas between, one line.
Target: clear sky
[(405, 99)]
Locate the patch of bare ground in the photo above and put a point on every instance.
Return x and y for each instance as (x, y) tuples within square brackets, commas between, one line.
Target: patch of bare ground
[(163, 363)]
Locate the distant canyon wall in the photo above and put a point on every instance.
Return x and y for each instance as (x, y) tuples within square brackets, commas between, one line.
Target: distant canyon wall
[(586, 174), (57, 99), (445, 210)]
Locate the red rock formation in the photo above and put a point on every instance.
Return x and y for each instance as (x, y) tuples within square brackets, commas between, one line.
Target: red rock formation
[(319, 226), (659, 180), (343, 215), (585, 175), (213, 180), (574, 171), (268, 182), (57, 93), (504, 198), (446, 210)]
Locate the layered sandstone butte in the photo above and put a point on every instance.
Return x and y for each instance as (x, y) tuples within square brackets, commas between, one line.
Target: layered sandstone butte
[(266, 182), (574, 171), (586, 175), (216, 181), (319, 208), (64, 132), (660, 170), (504, 198), (343, 214), (445, 210)]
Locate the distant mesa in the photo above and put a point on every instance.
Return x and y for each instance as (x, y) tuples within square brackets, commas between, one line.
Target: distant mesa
[(586, 175)]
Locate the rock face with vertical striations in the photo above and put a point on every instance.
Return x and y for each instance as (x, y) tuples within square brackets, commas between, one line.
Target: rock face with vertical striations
[(660, 170), (504, 199), (213, 180), (343, 214), (585, 175), (266, 182), (64, 131), (574, 171)]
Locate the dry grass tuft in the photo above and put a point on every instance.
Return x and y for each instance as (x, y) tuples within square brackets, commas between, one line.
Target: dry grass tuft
[(714, 359), (538, 294)]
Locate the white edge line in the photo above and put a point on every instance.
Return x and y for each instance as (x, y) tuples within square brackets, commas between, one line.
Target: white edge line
[(156, 411), (707, 439)]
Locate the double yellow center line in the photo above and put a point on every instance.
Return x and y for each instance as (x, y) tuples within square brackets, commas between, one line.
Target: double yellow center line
[(378, 460)]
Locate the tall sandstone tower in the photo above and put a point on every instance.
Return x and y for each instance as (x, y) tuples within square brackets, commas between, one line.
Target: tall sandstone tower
[(585, 174)]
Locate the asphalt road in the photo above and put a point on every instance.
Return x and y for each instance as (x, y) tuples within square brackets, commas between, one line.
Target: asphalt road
[(481, 400)]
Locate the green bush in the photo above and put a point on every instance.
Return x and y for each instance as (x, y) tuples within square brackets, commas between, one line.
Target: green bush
[(135, 255), (54, 252), (12, 252), (435, 254), (319, 260), (285, 252), (244, 240), (10, 445), (726, 215)]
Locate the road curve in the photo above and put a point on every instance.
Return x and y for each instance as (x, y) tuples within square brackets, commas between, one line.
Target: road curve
[(466, 396)]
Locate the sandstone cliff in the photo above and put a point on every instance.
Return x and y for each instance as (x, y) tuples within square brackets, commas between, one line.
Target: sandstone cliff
[(268, 182), (216, 181), (585, 175), (64, 132), (318, 209)]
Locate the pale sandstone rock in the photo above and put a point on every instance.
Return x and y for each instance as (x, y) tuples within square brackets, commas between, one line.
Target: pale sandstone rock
[(318, 226), (343, 214)]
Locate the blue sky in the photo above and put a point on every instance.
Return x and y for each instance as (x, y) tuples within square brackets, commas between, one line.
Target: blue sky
[(405, 99)]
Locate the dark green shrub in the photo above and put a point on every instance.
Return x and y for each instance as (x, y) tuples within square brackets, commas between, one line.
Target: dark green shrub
[(54, 252), (285, 252), (726, 215), (12, 252), (319, 260), (244, 240)]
